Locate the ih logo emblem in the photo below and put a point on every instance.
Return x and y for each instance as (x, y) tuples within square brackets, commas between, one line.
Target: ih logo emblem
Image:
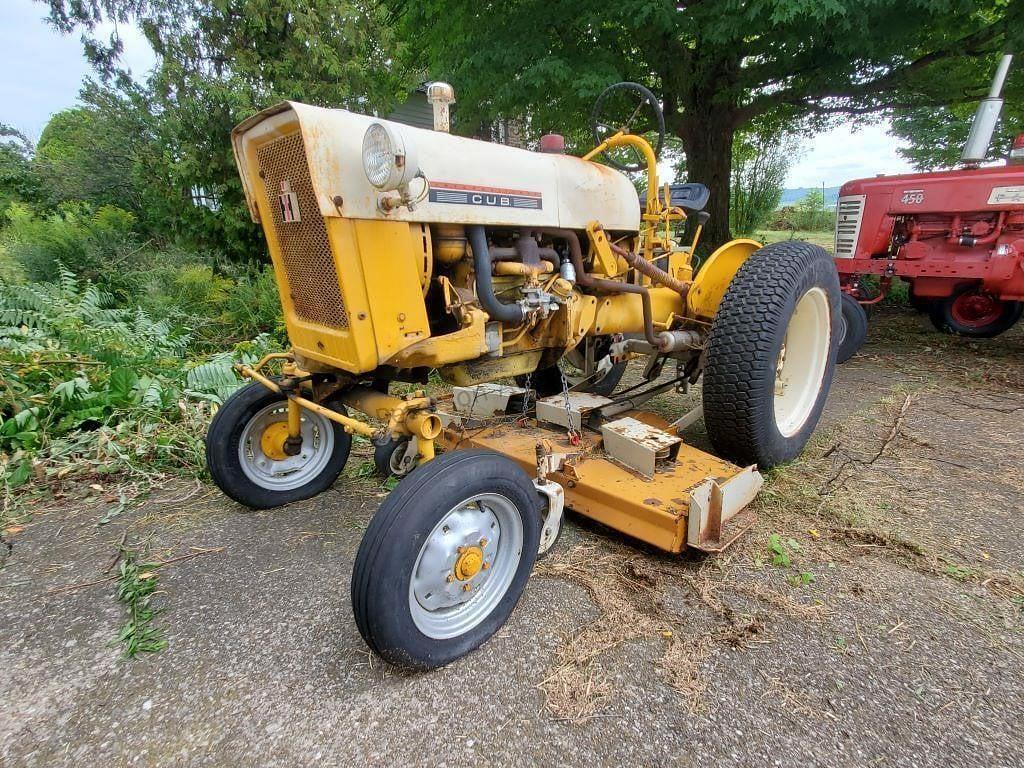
[(289, 204)]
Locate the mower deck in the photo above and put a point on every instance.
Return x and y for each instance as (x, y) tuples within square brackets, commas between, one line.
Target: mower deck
[(692, 500)]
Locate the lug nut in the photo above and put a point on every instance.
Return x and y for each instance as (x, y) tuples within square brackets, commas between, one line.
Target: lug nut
[(466, 587), (483, 542), (485, 566), (450, 578)]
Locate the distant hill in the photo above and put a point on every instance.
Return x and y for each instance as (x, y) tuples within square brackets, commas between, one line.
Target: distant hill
[(790, 196)]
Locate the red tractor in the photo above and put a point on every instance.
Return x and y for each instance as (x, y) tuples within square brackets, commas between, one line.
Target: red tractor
[(957, 238)]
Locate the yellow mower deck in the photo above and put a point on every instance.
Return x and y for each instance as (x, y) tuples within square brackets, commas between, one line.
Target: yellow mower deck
[(697, 500)]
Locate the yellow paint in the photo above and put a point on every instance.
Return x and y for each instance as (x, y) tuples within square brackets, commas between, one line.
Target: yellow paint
[(272, 440), (714, 277), (606, 263), (623, 312), (294, 419), (469, 563), (467, 343), (389, 261)]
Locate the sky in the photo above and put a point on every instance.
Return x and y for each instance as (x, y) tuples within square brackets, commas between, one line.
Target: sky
[(43, 72)]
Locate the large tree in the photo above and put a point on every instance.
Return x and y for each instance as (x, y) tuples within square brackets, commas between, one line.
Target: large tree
[(717, 65), (218, 62), (935, 135)]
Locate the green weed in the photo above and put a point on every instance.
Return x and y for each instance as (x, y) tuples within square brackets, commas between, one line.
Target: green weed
[(136, 584)]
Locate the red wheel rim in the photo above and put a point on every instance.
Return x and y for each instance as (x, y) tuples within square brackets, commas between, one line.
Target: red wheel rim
[(976, 309)]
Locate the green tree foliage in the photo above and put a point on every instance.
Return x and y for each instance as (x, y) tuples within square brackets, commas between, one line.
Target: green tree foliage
[(760, 161), (809, 214), (89, 154), (936, 135), (218, 62), (18, 181), (718, 66)]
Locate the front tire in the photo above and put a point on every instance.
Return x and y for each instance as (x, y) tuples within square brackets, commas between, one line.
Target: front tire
[(446, 558), (771, 354), (853, 328), (250, 469)]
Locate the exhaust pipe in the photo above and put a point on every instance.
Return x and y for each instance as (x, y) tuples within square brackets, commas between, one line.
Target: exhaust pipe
[(986, 118)]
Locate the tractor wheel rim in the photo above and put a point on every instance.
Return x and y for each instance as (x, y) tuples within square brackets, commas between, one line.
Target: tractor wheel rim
[(294, 471), (801, 364), (976, 309), (447, 598)]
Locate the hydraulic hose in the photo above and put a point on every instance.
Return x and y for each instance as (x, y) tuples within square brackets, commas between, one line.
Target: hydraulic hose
[(608, 286), (506, 313)]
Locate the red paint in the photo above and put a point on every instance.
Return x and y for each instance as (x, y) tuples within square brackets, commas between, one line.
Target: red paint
[(976, 309), (475, 188), (942, 230)]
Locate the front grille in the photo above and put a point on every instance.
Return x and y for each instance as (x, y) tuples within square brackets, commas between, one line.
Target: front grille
[(303, 244), (849, 213)]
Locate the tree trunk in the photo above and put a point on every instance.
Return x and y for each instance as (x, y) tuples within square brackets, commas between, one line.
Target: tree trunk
[(707, 140)]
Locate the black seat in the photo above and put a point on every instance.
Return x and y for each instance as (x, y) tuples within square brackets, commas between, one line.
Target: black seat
[(689, 197)]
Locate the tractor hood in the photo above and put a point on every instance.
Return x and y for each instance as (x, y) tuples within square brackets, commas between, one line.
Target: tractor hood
[(469, 181)]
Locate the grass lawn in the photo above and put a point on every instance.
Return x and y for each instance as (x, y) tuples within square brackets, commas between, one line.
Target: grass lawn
[(824, 239)]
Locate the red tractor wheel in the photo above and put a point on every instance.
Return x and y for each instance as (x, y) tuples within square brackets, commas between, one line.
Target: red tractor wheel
[(973, 312)]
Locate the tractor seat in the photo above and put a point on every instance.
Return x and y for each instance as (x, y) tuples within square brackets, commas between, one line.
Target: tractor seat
[(689, 197)]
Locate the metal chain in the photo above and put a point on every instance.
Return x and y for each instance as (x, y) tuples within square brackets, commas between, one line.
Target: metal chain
[(575, 438), (528, 386)]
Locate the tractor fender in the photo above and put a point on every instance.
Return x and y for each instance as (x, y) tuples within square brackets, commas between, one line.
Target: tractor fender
[(715, 275)]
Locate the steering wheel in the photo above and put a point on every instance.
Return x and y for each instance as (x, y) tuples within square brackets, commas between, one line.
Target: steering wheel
[(630, 108)]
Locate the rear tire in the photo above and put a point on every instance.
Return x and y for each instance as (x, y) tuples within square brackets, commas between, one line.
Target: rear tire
[(974, 313), (853, 329), (748, 421), (409, 579)]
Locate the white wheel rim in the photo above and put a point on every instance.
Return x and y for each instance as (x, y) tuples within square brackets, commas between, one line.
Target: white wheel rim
[(800, 367), (294, 471), (441, 605)]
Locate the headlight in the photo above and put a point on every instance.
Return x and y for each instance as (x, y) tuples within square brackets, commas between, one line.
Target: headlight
[(388, 160)]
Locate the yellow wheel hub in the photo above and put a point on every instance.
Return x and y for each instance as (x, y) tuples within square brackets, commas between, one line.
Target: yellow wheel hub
[(272, 441), (470, 561)]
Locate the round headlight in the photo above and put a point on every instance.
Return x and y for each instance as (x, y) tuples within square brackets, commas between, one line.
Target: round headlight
[(387, 159)]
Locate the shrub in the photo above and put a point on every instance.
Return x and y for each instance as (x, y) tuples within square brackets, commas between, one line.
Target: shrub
[(97, 245), (92, 388), (253, 306), (182, 289)]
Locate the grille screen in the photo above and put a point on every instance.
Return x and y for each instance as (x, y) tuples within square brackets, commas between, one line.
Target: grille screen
[(303, 244), (849, 213)]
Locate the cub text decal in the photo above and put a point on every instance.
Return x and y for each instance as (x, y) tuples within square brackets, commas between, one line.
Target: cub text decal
[(467, 194)]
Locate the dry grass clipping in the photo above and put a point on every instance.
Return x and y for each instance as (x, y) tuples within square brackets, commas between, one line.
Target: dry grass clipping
[(628, 587)]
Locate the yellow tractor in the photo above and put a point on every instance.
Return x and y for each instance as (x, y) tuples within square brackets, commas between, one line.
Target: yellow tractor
[(526, 280)]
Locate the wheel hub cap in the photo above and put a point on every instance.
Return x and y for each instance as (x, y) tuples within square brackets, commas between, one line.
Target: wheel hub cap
[(457, 557), (469, 564), (976, 308), (273, 439)]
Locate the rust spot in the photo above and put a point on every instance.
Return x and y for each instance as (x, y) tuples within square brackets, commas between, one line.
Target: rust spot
[(653, 502), (680, 502)]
